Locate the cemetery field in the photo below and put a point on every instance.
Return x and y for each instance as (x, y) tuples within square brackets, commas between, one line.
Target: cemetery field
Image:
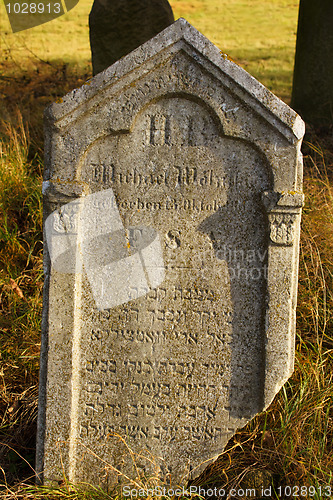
[(289, 445), (258, 34)]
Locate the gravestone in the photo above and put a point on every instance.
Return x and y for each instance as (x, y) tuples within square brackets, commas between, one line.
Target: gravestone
[(312, 94), (173, 194), (116, 27)]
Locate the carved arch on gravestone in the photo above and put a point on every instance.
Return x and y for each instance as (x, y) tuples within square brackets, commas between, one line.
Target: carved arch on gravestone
[(206, 103), (220, 108)]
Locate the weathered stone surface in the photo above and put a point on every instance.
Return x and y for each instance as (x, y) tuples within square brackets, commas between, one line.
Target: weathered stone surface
[(117, 27), (312, 94), (177, 164)]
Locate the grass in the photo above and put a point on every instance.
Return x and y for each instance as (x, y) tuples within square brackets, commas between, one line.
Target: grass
[(288, 445), (259, 34)]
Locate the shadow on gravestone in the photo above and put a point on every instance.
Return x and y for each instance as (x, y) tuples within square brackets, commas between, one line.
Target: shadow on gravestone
[(119, 26), (239, 236)]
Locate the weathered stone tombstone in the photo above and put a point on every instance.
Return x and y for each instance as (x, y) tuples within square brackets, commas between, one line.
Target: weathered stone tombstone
[(116, 27), (173, 194), (312, 94)]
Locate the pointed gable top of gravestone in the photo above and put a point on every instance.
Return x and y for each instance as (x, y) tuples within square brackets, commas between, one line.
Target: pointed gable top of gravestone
[(181, 37)]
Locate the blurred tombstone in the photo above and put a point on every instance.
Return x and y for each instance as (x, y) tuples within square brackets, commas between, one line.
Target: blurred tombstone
[(312, 94), (119, 26), (173, 194)]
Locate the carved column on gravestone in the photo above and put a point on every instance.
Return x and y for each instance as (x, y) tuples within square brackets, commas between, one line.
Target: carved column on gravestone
[(284, 213)]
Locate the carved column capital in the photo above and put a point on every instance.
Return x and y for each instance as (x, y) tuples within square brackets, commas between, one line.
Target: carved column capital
[(282, 210)]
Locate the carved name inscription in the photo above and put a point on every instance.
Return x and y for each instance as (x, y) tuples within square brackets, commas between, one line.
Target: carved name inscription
[(178, 175)]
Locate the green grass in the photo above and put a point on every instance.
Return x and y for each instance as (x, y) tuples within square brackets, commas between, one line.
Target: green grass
[(289, 444), (259, 34)]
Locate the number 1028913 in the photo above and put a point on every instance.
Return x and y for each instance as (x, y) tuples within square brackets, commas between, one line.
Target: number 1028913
[(304, 491), (33, 8)]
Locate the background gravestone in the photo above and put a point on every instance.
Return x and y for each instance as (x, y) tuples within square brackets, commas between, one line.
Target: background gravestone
[(312, 94), (173, 192), (119, 26)]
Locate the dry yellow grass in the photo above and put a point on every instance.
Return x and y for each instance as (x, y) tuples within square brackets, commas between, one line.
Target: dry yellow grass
[(291, 443)]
